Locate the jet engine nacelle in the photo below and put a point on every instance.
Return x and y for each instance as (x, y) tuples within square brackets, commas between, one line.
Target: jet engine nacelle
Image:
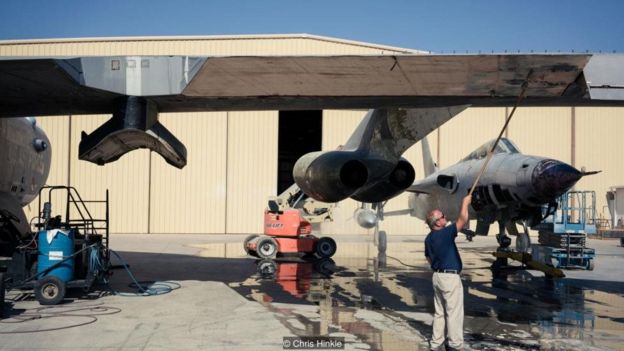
[(401, 177), (330, 176), (336, 175)]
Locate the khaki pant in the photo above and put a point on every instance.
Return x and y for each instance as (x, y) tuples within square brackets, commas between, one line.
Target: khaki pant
[(448, 297)]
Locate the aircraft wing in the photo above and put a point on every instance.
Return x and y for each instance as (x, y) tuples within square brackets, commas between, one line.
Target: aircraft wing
[(136, 88), (91, 85)]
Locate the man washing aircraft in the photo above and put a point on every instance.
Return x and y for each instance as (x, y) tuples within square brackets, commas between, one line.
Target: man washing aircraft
[(442, 255)]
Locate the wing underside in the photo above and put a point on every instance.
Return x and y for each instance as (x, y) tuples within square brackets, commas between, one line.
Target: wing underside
[(52, 86)]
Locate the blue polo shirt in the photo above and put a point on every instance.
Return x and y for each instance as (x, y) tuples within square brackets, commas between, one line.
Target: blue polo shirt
[(440, 247)]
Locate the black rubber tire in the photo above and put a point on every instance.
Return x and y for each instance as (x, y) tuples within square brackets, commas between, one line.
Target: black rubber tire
[(267, 247), (247, 240), (1, 295), (590, 265), (325, 247), (50, 290)]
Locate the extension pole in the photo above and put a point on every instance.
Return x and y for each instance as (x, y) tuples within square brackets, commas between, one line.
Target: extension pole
[(491, 151)]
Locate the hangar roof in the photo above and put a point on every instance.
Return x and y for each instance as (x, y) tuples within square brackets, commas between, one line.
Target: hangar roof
[(302, 36)]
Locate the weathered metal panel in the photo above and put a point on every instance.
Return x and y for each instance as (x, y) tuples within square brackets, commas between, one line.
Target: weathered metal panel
[(542, 131), (127, 180), (355, 75), (191, 200), (599, 146), (251, 168)]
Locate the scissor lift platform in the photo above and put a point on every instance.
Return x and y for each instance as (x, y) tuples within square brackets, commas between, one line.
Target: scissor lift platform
[(563, 234)]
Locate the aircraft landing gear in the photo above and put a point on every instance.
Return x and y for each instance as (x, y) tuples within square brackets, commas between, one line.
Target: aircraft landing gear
[(523, 241)]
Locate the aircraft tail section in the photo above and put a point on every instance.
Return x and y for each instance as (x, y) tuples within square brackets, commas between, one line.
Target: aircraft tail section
[(430, 166)]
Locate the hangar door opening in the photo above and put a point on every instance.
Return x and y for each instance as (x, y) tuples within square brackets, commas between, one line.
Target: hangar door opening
[(299, 132)]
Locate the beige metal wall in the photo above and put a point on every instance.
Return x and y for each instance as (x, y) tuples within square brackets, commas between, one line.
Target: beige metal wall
[(543, 131), (193, 199), (599, 133), (251, 168)]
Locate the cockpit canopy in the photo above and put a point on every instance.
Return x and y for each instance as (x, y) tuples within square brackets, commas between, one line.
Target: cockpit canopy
[(504, 146)]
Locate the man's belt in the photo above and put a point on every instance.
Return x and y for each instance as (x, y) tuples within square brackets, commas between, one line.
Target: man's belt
[(453, 271)]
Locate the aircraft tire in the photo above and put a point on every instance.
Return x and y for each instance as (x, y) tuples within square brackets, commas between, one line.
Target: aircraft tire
[(50, 290), (266, 247), (326, 247)]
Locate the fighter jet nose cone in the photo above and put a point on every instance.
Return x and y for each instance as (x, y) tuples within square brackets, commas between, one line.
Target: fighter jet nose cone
[(552, 178)]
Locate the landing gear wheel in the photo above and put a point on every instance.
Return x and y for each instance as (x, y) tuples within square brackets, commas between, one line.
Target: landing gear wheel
[(49, 290), (247, 240), (325, 247), (266, 248), (1, 295)]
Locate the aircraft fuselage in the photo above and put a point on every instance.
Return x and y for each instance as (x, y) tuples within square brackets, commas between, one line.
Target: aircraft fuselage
[(513, 187), (25, 156)]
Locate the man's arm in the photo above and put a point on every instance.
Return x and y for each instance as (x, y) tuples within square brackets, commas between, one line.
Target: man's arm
[(463, 213)]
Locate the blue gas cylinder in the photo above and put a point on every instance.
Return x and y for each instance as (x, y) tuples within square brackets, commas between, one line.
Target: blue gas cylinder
[(54, 247)]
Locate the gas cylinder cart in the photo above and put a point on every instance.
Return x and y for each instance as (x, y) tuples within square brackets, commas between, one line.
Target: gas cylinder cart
[(60, 255)]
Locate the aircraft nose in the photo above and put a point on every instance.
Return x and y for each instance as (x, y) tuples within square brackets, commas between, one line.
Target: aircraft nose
[(552, 178)]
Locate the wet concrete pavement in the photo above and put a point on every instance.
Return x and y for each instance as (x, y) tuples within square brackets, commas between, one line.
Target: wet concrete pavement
[(376, 301)]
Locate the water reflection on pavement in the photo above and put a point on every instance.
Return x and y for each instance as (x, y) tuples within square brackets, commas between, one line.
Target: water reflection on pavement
[(384, 302)]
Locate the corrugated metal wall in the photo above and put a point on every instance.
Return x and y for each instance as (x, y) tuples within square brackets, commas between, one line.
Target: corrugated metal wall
[(191, 200), (599, 134), (543, 131), (232, 157), (251, 168)]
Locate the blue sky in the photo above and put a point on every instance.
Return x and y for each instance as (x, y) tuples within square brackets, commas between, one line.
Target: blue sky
[(440, 26)]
